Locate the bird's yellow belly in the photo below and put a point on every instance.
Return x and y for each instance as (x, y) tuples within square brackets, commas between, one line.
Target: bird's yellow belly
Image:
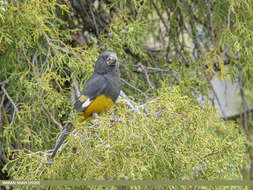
[(99, 105)]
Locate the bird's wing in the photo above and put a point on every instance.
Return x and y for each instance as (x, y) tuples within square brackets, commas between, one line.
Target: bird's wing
[(93, 88)]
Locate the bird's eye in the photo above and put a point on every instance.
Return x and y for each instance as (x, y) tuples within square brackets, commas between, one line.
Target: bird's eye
[(109, 59)]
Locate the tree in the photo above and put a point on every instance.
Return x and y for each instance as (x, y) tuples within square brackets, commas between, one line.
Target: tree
[(48, 49)]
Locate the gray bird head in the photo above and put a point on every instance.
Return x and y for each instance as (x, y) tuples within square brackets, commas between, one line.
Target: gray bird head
[(106, 62), (109, 57)]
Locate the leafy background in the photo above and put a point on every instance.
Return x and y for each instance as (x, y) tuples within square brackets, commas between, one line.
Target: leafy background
[(169, 53)]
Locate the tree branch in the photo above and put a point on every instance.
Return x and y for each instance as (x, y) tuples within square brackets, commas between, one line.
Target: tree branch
[(53, 118), (137, 89), (10, 99)]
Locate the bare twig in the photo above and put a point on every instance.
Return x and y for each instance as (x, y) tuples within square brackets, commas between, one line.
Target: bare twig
[(5, 93), (168, 34), (213, 153), (99, 138), (229, 13), (46, 62), (193, 24), (215, 95), (158, 114), (132, 86), (250, 117), (35, 66), (77, 91), (53, 118), (4, 82), (50, 42), (13, 117), (209, 154), (1, 105), (209, 7), (57, 48), (126, 99), (218, 101), (160, 16), (154, 69), (35, 60), (180, 54), (150, 102), (146, 76), (244, 103), (2, 100), (8, 96), (41, 153), (93, 18)]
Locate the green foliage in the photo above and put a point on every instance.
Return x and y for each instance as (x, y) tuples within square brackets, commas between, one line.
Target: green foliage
[(170, 138), (173, 137), (34, 71)]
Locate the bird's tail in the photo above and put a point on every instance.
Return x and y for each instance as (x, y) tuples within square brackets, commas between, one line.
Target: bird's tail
[(62, 137)]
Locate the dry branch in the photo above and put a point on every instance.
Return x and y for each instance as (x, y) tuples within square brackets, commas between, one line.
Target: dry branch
[(135, 88), (9, 98)]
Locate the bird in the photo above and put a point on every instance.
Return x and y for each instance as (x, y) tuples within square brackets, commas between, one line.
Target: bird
[(99, 93)]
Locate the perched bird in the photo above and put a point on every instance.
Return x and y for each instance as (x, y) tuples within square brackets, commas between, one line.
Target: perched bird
[(99, 93)]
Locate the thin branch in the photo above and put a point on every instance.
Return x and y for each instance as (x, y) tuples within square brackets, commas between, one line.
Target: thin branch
[(4, 82), (35, 60), (41, 153), (13, 117), (94, 19), (137, 89), (10, 99), (2, 100), (155, 69), (146, 76), (150, 102), (213, 153), (46, 62), (209, 14), (180, 54), (229, 13), (250, 117), (218, 101), (159, 113), (215, 95), (168, 34), (1, 105), (244, 103), (53, 118), (126, 99), (57, 48), (8, 96), (160, 16), (77, 91), (50, 42), (193, 24), (35, 66)]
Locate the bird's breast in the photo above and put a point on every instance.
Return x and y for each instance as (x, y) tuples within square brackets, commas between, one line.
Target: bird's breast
[(99, 105)]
